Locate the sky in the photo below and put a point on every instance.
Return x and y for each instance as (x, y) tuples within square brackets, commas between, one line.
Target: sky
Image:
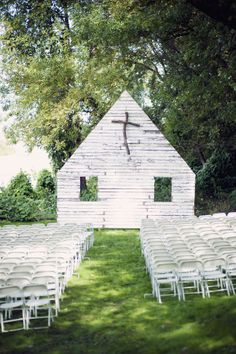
[(14, 158)]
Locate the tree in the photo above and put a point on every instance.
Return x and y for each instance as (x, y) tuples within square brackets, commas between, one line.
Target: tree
[(39, 68), (17, 200), (45, 184), (20, 185), (222, 11), (46, 194), (83, 54), (20, 202)]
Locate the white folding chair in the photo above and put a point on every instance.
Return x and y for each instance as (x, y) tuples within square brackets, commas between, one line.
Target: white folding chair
[(215, 280), (53, 288), (190, 278), (11, 308), (230, 269), (164, 280), (37, 303)]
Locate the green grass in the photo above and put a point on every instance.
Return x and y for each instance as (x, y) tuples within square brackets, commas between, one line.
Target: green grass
[(104, 312), (5, 222)]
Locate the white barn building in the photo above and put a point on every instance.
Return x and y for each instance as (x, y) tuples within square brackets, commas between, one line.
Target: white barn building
[(127, 154)]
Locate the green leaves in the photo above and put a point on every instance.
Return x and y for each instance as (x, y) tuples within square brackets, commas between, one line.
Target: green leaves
[(66, 60), (45, 184), (90, 193), (20, 185), (20, 202)]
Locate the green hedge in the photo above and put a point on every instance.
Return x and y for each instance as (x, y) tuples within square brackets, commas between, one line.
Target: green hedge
[(19, 201)]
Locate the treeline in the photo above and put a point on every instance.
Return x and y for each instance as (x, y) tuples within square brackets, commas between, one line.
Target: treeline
[(66, 60), (19, 201)]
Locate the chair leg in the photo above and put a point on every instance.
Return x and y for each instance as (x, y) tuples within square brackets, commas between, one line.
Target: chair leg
[(159, 294), (227, 285), (178, 291), (231, 286), (2, 323), (202, 290), (49, 316), (181, 287)]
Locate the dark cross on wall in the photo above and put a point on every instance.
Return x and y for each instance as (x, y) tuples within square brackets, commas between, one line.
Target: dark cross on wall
[(125, 123)]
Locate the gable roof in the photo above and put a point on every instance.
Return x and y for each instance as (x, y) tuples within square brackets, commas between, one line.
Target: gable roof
[(106, 141)]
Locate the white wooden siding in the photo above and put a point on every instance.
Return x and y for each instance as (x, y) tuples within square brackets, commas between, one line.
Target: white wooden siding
[(125, 182)]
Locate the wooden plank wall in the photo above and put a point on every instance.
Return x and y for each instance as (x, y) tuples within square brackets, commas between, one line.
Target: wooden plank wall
[(125, 182)]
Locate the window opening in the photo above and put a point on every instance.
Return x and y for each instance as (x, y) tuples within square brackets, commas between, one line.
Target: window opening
[(88, 189), (162, 189)]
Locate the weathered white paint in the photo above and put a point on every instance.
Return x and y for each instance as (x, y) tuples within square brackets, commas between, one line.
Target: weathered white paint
[(125, 182)]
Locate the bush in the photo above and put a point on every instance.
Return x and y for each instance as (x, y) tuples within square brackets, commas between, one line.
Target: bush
[(45, 184), (232, 200), (19, 201), (212, 179), (46, 194), (162, 189), (15, 207), (90, 192), (20, 185), (47, 208)]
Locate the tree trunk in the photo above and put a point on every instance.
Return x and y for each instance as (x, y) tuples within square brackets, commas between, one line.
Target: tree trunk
[(83, 184)]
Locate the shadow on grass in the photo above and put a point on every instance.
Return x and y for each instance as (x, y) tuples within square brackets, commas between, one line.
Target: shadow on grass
[(104, 311)]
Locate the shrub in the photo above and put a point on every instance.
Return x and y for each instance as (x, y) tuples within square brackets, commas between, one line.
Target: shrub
[(47, 208), (162, 189), (19, 201), (232, 200), (15, 207), (90, 192), (212, 179), (20, 185), (45, 184)]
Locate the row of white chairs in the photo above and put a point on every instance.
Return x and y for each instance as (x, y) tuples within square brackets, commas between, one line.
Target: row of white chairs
[(36, 263), (218, 215), (191, 255)]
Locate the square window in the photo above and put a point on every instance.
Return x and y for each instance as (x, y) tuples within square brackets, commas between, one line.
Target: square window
[(88, 189), (162, 189)]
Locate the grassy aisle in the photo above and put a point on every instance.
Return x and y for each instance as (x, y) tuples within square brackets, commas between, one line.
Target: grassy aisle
[(104, 312)]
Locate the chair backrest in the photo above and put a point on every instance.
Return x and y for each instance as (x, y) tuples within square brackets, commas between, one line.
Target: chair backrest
[(219, 215), (23, 268), (45, 273), (34, 259), (11, 291), (46, 268), (19, 281), (19, 274), (7, 265), (2, 274), (231, 259), (5, 269), (37, 254), (3, 254), (166, 267), (44, 279), (214, 263), (36, 290), (189, 265), (16, 254), (50, 282)]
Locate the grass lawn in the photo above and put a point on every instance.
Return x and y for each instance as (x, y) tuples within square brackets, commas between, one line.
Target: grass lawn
[(104, 312), (4, 223)]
